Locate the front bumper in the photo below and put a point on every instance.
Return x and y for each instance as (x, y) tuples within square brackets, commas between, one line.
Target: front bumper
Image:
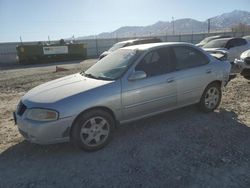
[(244, 66), (44, 132)]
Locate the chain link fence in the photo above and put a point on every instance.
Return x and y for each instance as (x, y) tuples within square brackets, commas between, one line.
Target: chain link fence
[(98, 45)]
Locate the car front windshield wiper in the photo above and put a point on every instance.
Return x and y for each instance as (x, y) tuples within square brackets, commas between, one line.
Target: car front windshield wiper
[(88, 75), (103, 78)]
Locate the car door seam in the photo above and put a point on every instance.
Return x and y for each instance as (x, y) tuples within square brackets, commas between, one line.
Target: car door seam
[(148, 101)]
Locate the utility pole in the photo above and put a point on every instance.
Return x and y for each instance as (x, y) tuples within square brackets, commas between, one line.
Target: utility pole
[(208, 25), (21, 40), (116, 36), (48, 39), (96, 45), (173, 24)]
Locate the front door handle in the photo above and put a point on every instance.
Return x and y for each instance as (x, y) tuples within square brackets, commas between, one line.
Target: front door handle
[(208, 71), (170, 80)]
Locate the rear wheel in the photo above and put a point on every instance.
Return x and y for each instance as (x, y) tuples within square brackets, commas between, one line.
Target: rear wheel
[(92, 130), (211, 98), (231, 77), (247, 77)]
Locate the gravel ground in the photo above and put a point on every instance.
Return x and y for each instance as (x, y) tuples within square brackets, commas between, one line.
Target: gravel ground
[(182, 148)]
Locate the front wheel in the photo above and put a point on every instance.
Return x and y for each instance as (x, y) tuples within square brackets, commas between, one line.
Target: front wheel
[(92, 130), (211, 98)]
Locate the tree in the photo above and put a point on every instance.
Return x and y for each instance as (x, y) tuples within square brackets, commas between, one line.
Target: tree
[(241, 27)]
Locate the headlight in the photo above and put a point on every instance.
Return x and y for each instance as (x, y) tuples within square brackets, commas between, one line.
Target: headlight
[(42, 114)]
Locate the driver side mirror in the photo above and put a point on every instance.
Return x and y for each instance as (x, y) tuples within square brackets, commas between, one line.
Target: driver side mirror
[(138, 75)]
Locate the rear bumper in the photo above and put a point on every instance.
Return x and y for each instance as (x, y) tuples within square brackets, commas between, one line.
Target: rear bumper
[(45, 132), (235, 68)]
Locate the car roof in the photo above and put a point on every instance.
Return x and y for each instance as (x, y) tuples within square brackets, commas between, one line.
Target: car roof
[(155, 45), (227, 39), (223, 39), (126, 41), (138, 39), (215, 36)]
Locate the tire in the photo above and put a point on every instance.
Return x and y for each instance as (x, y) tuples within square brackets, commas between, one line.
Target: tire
[(92, 130), (210, 98), (231, 77), (247, 77)]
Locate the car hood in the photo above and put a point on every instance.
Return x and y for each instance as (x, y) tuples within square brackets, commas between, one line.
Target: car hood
[(61, 88), (105, 53), (200, 44)]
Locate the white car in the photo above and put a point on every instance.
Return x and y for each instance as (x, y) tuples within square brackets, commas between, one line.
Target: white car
[(233, 46), (247, 38), (208, 39), (244, 64), (126, 43)]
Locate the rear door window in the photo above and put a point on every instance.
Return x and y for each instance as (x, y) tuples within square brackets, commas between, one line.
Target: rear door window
[(241, 42), (236, 42), (188, 57)]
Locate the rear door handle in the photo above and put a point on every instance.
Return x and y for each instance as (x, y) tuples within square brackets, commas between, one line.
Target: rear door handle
[(170, 80), (208, 71)]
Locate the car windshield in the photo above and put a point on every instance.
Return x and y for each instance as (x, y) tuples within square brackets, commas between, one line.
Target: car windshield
[(112, 66), (208, 39), (117, 46), (220, 43)]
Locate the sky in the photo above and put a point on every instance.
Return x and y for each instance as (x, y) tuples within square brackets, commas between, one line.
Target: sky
[(35, 20)]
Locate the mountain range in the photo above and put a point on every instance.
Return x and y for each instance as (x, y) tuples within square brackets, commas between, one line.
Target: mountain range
[(223, 22)]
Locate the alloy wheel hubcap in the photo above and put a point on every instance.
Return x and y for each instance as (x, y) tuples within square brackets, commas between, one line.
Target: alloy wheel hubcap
[(212, 98), (95, 131)]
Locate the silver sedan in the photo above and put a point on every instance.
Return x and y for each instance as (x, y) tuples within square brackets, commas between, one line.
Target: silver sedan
[(131, 83)]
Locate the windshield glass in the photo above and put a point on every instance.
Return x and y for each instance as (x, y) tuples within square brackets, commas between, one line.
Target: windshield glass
[(116, 46), (208, 39), (112, 66), (216, 44)]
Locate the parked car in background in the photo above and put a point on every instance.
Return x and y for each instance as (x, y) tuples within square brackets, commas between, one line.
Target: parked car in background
[(32, 53), (247, 38), (233, 46), (129, 43), (131, 83), (244, 64), (208, 39)]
